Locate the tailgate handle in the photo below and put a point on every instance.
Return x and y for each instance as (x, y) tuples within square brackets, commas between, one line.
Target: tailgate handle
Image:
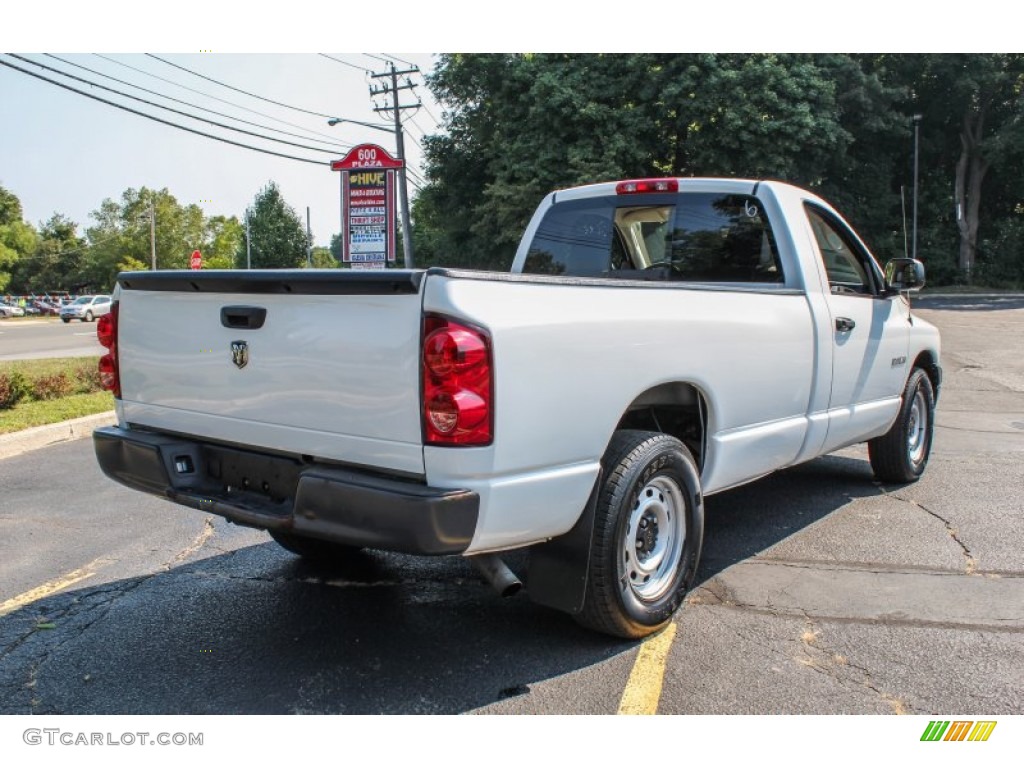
[(243, 317)]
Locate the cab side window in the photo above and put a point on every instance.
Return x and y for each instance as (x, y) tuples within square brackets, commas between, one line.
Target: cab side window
[(847, 265)]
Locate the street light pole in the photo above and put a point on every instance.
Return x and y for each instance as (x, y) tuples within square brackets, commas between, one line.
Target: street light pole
[(917, 126)]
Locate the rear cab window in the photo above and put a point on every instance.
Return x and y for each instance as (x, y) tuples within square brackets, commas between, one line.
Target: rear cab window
[(688, 236)]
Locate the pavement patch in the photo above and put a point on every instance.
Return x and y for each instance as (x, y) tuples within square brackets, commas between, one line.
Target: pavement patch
[(886, 596)]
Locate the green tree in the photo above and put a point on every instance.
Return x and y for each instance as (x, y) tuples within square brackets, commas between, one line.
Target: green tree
[(277, 233), (982, 109), (223, 238), (17, 237), (323, 258), (55, 258), (519, 126), (120, 238)]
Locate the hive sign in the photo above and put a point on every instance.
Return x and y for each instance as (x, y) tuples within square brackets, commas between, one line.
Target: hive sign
[(367, 206)]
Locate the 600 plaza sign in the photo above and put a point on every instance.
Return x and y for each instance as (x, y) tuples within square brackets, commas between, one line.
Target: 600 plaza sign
[(367, 206)]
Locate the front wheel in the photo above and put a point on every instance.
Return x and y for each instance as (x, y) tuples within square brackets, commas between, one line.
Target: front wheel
[(648, 531), (901, 454), (88, 317)]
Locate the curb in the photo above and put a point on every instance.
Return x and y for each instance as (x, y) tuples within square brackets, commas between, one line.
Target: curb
[(26, 440)]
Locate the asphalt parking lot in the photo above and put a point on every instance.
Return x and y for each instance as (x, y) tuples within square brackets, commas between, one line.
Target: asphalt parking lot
[(820, 591)]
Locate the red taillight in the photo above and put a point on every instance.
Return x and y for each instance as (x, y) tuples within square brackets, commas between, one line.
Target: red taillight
[(106, 330), (457, 401), (641, 186), (106, 333)]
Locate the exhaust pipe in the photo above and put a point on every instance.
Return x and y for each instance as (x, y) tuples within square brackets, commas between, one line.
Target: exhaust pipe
[(497, 574)]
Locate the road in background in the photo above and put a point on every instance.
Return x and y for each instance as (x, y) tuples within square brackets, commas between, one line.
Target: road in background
[(39, 338), (820, 591)]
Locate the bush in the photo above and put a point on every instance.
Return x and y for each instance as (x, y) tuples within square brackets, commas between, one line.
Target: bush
[(53, 386), (87, 378), (14, 388)]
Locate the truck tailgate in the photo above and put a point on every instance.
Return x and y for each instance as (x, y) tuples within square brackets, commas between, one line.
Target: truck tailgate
[(331, 371)]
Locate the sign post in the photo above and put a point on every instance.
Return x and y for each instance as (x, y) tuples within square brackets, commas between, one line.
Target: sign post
[(367, 206), (196, 262)]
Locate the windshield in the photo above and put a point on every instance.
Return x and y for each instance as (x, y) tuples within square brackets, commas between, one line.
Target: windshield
[(83, 300)]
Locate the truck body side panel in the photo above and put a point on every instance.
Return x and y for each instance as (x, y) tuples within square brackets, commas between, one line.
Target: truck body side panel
[(571, 357)]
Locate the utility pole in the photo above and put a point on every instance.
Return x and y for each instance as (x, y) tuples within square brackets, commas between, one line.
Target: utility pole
[(392, 89), (152, 234), (248, 242), (309, 241), (917, 127)]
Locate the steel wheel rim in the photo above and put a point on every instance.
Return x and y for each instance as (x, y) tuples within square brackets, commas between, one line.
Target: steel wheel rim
[(917, 428), (654, 538)]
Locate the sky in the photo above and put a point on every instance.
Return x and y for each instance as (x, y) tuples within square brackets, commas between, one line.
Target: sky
[(63, 152)]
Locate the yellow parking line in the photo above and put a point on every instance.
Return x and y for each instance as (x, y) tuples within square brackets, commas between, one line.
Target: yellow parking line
[(643, 691), (51, 587)]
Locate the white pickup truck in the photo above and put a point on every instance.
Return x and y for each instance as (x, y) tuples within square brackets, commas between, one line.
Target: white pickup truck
[(657, 340)]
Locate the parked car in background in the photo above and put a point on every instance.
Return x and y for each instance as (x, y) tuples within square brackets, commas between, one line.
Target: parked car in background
[(85, 308), (47, 308), (9, 310)]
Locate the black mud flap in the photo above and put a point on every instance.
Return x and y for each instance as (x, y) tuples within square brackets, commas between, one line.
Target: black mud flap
[(558, 568)]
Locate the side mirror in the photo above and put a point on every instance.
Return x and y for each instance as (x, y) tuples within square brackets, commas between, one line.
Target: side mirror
[(904, 275)]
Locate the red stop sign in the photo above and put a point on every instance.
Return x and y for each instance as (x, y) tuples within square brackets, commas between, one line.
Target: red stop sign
[(197, 260)]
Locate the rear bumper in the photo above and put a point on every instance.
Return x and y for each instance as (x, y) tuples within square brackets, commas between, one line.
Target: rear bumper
[(282, 493)]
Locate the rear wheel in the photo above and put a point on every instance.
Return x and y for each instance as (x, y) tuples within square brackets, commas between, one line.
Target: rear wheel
[(315, 551), (901, 454), (648, 531)]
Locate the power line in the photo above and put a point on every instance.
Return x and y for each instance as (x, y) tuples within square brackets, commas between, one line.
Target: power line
[(381, 58), (239, 90), (194, 106), (413, 139), (87, 246), (404, 61), (416, 174), (432, 115), (170, 109), (210, 96), (412, 119), (159, 119), (346, 63)]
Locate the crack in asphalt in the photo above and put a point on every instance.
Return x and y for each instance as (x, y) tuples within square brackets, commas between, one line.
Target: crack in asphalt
[(73, 610), (971, 564), (849, 567), (830, 663), (979, 431), (318, 580)]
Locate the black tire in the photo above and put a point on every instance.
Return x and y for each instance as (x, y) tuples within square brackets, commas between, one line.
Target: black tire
[(636, 582), (316, 551), (65, 319), (901, 454), (88, 317)]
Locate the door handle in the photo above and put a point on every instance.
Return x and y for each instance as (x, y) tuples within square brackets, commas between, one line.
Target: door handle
[(249, 318), (844, 324)]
